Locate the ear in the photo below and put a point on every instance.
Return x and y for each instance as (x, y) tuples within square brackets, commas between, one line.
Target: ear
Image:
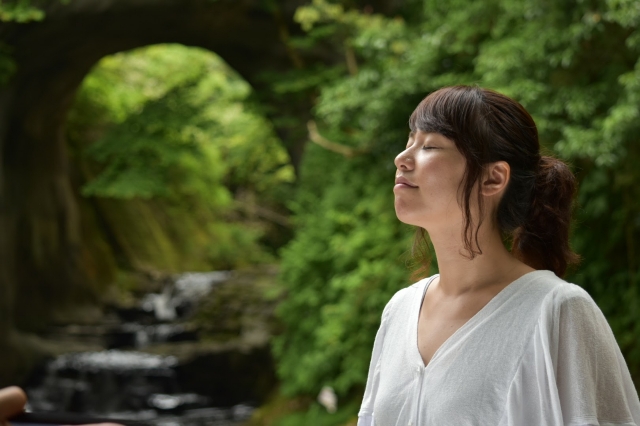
[(495, 178)]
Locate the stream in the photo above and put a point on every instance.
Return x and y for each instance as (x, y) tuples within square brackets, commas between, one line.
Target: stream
[(151, 364)]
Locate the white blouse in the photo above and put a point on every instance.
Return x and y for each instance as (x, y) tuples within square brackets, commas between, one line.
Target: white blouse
[(539, 353)]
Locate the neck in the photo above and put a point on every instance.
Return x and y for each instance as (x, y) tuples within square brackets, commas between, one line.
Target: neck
[(459, 274)]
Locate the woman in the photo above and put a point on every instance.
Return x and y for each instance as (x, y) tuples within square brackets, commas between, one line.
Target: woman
[(496, 338)]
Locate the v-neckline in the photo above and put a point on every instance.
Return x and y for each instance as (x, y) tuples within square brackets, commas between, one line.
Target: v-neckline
[(495, 300)]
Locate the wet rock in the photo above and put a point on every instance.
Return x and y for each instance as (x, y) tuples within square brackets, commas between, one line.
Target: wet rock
[(205, 338)]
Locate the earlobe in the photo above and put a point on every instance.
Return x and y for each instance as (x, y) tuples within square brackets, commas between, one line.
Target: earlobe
[(495, 178)]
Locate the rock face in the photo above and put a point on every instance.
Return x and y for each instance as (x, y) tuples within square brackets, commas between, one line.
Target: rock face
[(42, 250)]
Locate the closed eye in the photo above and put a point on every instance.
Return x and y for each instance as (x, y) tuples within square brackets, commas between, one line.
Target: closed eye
[(430, 147)]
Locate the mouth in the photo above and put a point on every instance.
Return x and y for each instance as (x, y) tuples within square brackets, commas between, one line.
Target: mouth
[(402, 182)]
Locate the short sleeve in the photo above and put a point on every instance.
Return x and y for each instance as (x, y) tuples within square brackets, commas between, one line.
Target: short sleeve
[(365, 415), (572, 372), (593, 382)]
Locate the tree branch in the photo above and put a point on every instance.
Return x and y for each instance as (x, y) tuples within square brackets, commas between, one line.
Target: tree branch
[(350, 57), (263, 213), (317, 138)]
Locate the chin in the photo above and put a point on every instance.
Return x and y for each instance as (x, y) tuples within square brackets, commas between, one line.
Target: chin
[(405, 217)]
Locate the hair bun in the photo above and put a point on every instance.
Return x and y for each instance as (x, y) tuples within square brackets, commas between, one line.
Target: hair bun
[(549, 218), (555, 185)]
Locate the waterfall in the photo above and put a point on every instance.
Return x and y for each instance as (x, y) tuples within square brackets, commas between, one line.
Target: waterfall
[(124, 382)]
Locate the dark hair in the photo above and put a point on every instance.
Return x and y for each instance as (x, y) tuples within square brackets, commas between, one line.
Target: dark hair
[(535, 210)]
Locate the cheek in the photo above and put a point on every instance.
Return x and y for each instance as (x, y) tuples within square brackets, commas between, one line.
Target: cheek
[(441, 177), (441, 186)]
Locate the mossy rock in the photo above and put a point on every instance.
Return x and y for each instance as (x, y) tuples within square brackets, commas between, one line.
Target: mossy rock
[(242, 305)]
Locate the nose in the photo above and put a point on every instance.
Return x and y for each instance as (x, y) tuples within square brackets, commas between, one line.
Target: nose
[(404, 161)]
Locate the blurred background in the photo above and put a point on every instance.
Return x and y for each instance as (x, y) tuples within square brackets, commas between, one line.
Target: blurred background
[(196, 215)]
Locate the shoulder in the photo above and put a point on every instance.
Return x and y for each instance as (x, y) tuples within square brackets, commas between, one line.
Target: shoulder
[(554, 291), (544, 296), (563, 294), (569, 305)]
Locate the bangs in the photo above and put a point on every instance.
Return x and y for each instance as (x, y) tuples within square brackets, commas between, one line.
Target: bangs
[(449, 112)]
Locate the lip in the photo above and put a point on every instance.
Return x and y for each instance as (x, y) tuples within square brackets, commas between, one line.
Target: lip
[(402, 182)]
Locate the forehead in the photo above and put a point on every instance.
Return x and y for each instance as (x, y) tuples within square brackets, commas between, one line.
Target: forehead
[(420, 136)]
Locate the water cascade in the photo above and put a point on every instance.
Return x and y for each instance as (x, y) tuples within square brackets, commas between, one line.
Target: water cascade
[(152, 365)]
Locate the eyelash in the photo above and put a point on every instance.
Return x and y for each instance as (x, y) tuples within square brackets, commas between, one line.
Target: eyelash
[(429, 147)]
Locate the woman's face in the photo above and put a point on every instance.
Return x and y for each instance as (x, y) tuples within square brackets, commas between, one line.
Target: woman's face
[(428, 181)]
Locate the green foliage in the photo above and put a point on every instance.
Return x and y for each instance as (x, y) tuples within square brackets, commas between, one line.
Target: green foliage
[(573, 64), (163, 151), (317, 415), (339, 272), (20, 11), (185, 139)]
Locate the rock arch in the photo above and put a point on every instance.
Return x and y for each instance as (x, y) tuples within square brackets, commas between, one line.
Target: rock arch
[(40, 239)]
